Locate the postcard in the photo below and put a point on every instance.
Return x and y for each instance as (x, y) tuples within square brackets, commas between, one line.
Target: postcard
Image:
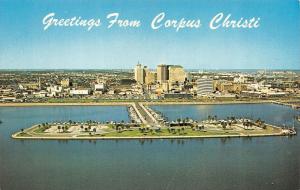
[(149, 94)]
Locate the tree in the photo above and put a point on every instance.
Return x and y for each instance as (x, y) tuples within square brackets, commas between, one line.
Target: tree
[(209, 117), (119, 129), (94, 130), (187, 119), (22, 130), (81, 127), (151, 131), (169, 130), (179, 130), (224, 125), (59, 127)]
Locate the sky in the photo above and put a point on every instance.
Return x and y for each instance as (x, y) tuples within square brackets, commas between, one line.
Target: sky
[(24, 44)]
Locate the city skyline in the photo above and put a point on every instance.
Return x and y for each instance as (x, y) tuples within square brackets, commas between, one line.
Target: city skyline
[(274, 45)]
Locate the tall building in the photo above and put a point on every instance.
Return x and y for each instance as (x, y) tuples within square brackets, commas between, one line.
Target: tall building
[(176, 74), (204, 86), (150, 77), (140, 73), (162, 73)]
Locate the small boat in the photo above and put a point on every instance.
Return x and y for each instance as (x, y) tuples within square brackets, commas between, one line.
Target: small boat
[(292, 131)]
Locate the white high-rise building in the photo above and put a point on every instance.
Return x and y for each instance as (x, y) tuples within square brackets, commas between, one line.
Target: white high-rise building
[(140, 73), (204, 86)]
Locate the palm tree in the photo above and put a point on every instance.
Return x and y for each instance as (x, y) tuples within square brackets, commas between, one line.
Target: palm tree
[(59, 127), (224, 125), (119, 129), (22, 130), (151, 131), (209, 117), (94, 130), (81, 127), (187, 119), (178, 130)]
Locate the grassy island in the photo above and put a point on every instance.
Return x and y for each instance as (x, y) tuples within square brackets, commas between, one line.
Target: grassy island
[(180, 129)]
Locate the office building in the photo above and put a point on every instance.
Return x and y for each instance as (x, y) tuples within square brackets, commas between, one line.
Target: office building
[(204, 86)]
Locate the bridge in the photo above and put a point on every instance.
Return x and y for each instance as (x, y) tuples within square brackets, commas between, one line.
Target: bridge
[(145, 116)]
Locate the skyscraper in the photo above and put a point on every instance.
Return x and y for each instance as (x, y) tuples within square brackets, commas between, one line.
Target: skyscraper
[(139, 73), (150, 77), (176, 74), (162, 73)]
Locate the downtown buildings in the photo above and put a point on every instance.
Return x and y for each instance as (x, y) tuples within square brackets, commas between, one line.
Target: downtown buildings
[(165, 81), (163, 74)]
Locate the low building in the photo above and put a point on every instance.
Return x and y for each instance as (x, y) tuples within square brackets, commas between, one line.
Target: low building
[(79, 92), (100, 87), (65, 83)]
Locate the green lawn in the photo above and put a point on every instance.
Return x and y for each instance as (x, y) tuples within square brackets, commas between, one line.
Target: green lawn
[(165, 132), (135, 132), (23, 135)]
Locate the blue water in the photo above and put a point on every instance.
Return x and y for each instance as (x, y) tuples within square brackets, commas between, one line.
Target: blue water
[(235, 163), (272, 113)]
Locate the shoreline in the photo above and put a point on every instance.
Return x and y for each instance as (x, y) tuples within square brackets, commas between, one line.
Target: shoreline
[(131, 102), (14, 136), (65, 104)]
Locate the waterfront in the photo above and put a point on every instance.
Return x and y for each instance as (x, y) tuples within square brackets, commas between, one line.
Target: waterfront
[(253, 163)]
